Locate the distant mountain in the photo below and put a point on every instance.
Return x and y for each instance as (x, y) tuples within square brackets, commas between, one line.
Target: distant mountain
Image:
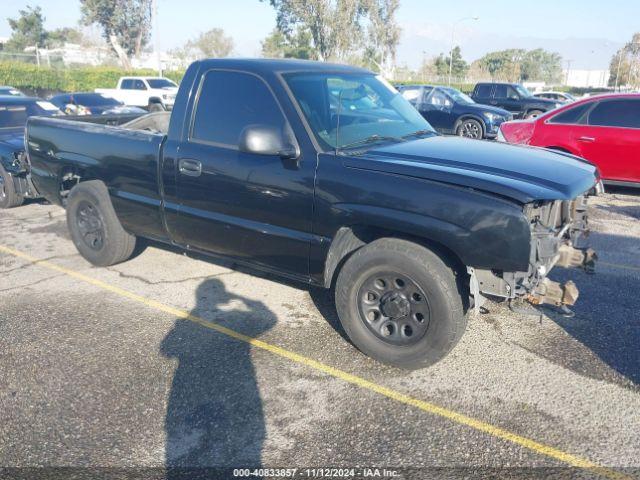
[(584, 53)]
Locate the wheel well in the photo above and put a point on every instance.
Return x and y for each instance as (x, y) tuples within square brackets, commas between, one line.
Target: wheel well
[(154, 100), (350, 239)]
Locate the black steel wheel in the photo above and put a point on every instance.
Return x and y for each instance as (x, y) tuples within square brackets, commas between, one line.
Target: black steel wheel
[(94, 225), (90, 225), (400, 303), (394, 308), (470, 128)]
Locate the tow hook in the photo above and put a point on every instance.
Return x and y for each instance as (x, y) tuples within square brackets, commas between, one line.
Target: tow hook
[(549, 292), (569, 257)]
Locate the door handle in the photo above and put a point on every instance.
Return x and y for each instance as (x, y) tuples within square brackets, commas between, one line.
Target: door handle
[(587, 139), (191, 168)]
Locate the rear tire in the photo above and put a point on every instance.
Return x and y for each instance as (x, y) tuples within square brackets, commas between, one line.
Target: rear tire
[(94, 226), (533, 114), (399, 303), (156, 107), (9, 198)]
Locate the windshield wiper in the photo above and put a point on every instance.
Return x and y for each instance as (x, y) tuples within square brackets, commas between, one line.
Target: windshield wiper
[(372, 139), (419, 133)]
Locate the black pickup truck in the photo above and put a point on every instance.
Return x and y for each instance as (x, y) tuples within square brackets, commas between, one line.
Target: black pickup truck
[(512, 97), (326, 174)]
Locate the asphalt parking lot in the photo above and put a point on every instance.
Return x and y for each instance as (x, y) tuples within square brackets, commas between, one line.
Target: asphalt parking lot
[(154, 362)]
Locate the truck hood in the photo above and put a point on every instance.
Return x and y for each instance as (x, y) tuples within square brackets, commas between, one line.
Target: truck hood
[(523, 174)]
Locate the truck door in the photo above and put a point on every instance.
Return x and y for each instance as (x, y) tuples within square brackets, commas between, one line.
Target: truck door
[(505, 96), (256, 208)]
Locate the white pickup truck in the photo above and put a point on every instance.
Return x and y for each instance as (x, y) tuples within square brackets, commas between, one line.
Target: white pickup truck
[(152, 93)]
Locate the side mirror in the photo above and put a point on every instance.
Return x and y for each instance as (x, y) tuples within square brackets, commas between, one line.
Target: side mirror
[(268, 140)]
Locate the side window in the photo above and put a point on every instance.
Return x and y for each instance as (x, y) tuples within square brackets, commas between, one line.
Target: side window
[(501, 91), (616, 113), (483, 91), (139, 85), (511, 93), (571, 116), (412, 94), (439, 99), (229, 102), (126, 84)]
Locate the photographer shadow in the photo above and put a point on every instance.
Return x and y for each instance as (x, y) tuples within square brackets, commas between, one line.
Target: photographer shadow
[(214, 416)]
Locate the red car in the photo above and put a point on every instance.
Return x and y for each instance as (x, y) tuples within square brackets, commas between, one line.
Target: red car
[(604, 130)]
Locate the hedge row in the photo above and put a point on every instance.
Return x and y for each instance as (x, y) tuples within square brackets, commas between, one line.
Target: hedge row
[(40, 79)]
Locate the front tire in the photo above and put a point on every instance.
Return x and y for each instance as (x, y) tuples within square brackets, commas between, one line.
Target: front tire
[(533, 114), (9, 198), (94, 226), (470, 128), (400, 304)]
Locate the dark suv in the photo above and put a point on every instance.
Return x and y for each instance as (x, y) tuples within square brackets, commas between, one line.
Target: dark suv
[(450, 111), (513, 97)]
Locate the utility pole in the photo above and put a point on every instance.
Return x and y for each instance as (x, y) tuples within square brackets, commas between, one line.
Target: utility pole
[(566, 80), (453, 28), (154, 12)]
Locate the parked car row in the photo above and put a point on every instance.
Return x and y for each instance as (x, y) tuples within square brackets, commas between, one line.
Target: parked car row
[(450, 111), (604, 130)]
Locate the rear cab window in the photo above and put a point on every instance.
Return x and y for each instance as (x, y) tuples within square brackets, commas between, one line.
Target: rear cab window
[(227, 103), (483, 90)]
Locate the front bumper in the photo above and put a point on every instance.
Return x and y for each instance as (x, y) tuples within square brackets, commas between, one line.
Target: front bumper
[(493, 127), (559, 231)]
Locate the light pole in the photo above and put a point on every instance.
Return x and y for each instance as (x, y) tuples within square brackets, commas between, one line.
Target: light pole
[(453, 29), (154, 12)]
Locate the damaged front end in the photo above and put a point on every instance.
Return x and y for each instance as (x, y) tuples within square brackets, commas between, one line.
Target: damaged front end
[(559, 230)]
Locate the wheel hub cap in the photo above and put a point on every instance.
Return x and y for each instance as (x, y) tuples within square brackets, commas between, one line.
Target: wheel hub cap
[(90, 226), (394, 308), (395, 305)]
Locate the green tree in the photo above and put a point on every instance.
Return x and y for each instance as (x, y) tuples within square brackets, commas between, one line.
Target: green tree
[(503, 65), (334, 25), (459, 67), (383, 34), (625, 64), (125, 24), (27, 30), (60, 36), (539, 64), (211, 44), (279, 45)]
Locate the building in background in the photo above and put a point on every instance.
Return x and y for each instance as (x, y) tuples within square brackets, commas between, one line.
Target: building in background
[(586, 78)]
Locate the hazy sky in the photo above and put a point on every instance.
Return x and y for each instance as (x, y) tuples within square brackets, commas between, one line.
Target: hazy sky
[(587, 32)]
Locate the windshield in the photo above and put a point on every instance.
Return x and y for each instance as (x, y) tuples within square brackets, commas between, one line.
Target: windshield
[(14, 115), (160, 83), (522, 91), (94, 99), (458, 96), (367, 107)]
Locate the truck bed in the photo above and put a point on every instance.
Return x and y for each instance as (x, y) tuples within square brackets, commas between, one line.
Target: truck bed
[(125, 158)]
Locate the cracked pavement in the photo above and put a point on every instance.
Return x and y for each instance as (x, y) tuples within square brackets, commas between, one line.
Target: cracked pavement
[(89, 378)]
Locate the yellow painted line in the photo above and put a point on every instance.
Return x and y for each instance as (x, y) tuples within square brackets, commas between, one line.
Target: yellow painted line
[(618, 265), (459, 418)]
